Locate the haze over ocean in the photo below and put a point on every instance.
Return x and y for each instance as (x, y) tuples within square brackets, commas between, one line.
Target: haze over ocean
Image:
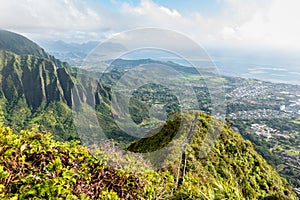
[(273, 67)]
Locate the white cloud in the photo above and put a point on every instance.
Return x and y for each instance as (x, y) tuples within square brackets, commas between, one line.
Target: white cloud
[(241, 22), (56, 14), (147, 7), (48, 18), (273, 24), (147, 13)]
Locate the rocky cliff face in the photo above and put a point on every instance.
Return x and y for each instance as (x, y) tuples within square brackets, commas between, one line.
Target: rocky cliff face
[(36, 88), (35, 79)]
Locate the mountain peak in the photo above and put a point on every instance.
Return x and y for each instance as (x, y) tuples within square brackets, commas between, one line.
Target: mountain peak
[(20, 45)]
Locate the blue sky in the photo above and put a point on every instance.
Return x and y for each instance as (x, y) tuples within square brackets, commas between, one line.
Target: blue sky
[(207, 7), (250, 23)]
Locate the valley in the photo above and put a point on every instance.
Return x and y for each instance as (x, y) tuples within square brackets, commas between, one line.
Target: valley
[(249, 102), (41, 93), (149, 100)]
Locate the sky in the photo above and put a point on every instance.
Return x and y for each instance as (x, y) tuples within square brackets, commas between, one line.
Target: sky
[(247, 23)]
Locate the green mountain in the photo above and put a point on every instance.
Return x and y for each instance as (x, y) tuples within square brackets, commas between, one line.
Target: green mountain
[(32, 165), (37, 89), (232, 169), (20, 45), (36, 79)]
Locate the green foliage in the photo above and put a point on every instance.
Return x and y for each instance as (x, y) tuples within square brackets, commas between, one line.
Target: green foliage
[(56, 116), (276, 153), (34, 88), (231, 170), (18, 114), (2, 109), (34, 166), (159, 140)]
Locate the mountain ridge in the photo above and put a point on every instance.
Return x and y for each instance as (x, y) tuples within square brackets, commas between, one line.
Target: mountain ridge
[(41, 90), (20, 45), (50, 169), (33, 83)]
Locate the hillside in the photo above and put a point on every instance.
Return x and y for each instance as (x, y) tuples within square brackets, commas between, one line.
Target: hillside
[(33, 165), (20, 45), (36, 88), (231, 170), (29, 87)]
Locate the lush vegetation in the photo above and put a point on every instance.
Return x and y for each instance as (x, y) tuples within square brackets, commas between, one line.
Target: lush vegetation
[(36, 91), (231, 170), (277, 152), (33, 165)]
